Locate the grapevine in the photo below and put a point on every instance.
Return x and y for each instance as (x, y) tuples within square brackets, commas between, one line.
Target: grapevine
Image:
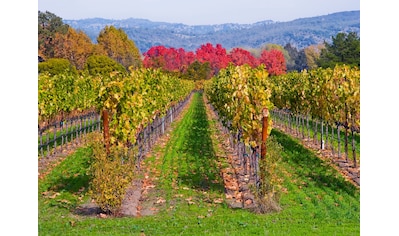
[(132, 100), (239, 94)]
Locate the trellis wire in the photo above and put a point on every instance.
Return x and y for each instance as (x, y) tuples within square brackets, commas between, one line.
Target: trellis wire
[(63, 133), (324, 135), (71, 130), (147, 138)]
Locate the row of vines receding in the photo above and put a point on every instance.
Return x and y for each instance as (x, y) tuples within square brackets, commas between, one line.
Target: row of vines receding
[(240, 94), (136, 105)]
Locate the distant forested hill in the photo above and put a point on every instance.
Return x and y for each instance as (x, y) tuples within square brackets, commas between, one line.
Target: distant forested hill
[(299, 33)]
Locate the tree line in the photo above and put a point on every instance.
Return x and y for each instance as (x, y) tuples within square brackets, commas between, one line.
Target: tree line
[(61, 47)]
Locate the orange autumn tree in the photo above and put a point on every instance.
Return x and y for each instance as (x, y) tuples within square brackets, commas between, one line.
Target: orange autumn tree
[(117, 45), (75, 46)]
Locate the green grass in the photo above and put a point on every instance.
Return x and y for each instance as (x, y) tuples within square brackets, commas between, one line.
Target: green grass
[(317, 200), (62, 190)]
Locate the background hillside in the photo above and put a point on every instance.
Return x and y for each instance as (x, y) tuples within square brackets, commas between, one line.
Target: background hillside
[(299, 33)]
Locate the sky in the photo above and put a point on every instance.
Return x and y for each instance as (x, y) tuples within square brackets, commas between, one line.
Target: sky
[(197, 12)]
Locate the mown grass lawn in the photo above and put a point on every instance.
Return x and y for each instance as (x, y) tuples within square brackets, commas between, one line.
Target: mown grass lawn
[(316, 199)]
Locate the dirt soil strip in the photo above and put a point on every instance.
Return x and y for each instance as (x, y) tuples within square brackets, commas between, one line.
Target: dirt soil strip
[(228, 173), (238, 194), (346, 169), (137, 201)]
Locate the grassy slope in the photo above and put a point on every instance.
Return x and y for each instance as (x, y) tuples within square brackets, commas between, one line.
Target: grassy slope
[(317, 201)]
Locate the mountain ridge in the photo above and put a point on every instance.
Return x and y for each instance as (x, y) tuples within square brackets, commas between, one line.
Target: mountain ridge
[(300, 33)]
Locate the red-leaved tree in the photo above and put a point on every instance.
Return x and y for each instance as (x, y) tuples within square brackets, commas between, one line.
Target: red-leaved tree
[(169, 59), (239, 56), (216, 56), (154, 57), (274, 62), (186, 58)]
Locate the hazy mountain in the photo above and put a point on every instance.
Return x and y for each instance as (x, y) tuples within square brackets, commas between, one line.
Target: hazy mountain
[(300, 33)]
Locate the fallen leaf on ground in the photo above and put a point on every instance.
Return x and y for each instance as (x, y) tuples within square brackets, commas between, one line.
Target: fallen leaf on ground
[(160, 200), (218, 200)]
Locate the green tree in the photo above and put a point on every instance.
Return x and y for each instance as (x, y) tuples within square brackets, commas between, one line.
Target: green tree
[(198, 71), (55, 66), (119, 47), (48, 25), (297, 58), (344, 49), (102, 65)]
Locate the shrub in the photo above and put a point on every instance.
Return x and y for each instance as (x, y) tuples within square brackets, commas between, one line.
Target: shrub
[(55, 66), (102, 65), (111, 174)]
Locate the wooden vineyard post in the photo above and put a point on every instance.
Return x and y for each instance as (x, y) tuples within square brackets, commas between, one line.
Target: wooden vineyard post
[(346, 140), (353, 149), (264, 132), (106, 130), (339, 140), (265, 122), (55, 138), (322, 136), (353, 144)]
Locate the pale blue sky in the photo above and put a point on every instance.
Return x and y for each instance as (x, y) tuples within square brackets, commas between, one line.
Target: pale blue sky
[(197, 12)]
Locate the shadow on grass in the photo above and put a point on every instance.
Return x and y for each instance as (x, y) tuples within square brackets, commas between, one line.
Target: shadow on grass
[(307, 164), (71, 184), (69, 180), (197, 147)]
